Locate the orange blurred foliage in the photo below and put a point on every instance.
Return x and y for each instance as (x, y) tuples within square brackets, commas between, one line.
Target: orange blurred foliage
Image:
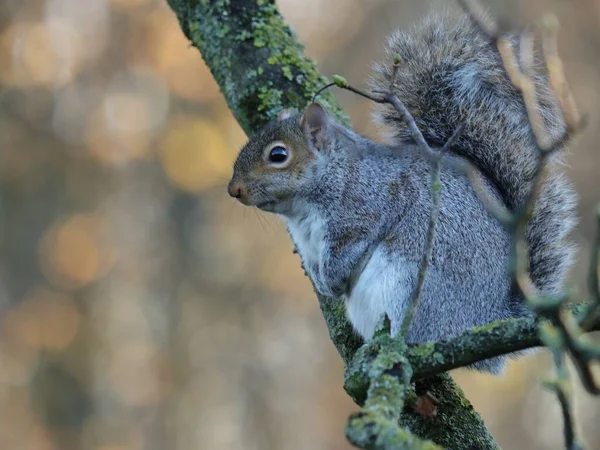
[(45, 319), (43, 53), (181, 65), (138, 373), (73, 252), (195, 154)]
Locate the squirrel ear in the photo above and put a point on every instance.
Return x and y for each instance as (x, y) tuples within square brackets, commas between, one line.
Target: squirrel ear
[(284, 114), (314, 123)]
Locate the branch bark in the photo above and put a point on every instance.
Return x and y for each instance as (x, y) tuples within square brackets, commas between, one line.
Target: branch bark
[(254, 56), (496, 339)]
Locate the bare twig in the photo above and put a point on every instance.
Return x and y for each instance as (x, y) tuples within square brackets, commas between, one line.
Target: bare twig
[(562, 387), (413, 303), (582, 352), (593, 280), (556, 74), (510, 62), (526, 83), (393, 100), (480, 18), (436, 189), (396, 65), (565, 326)]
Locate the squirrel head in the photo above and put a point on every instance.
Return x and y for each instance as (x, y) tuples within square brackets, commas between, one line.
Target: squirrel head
[(283, 159)]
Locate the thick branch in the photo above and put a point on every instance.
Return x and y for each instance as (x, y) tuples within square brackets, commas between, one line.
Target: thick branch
[(254, 56), (389, 374), (488, 341), (456, 425), (496, 339)]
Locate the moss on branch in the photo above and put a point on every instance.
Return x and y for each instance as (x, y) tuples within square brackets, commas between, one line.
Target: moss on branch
[(488, 341), (456, 425), (254, 56), (382, 362)]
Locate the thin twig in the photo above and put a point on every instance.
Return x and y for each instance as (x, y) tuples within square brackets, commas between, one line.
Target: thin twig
[(409, 120), (450, 142), (413, 302), (395, 67), (493, 205), (509, 60), (520, 72), (562, 387), (392, 99), (480, 18), (556, 74), (521, 246), (327, 86), (436, 189), (581, 355), (527, 85), (593, 279)]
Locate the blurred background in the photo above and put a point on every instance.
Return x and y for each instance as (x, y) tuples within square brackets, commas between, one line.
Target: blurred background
[(140, 306)]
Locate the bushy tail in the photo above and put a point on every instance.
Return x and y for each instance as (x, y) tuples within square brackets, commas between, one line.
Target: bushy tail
[(451, 74)]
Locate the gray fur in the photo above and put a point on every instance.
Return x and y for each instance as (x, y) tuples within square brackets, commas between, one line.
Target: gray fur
[(451, 75), (358, 211)]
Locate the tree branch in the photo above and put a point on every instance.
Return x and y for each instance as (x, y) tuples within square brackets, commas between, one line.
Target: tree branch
[(383, 364), (254, 56), (488, 341)]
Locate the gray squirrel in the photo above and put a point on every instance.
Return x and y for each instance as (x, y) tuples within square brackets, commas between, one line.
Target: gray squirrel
[(358, 211)]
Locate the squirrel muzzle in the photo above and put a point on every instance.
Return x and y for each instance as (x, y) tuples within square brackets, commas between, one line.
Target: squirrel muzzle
[(237, 189)]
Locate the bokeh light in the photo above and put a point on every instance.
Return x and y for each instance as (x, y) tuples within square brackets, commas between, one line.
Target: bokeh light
[(73, 253), (194, 154)]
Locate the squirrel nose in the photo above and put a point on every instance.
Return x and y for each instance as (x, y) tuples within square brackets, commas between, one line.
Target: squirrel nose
[(235, 189)]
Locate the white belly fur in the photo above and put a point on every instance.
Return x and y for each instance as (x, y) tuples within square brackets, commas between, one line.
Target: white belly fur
[(309, 236), (383, 287)]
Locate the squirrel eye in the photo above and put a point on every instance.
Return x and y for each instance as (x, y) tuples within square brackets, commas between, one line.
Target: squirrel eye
[(278, 155)]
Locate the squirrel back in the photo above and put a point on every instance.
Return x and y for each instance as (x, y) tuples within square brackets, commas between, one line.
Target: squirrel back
[(451, 74)]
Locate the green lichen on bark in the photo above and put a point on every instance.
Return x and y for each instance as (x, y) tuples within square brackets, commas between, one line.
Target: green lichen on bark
[(495, 339), (383, 364), (431, 358), (373, 432), (487, 341), (341, 333), (381, 356), (255, 58), (456, 425)]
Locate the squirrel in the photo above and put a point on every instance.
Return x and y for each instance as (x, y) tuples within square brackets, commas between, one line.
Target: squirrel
[(358, 210)]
